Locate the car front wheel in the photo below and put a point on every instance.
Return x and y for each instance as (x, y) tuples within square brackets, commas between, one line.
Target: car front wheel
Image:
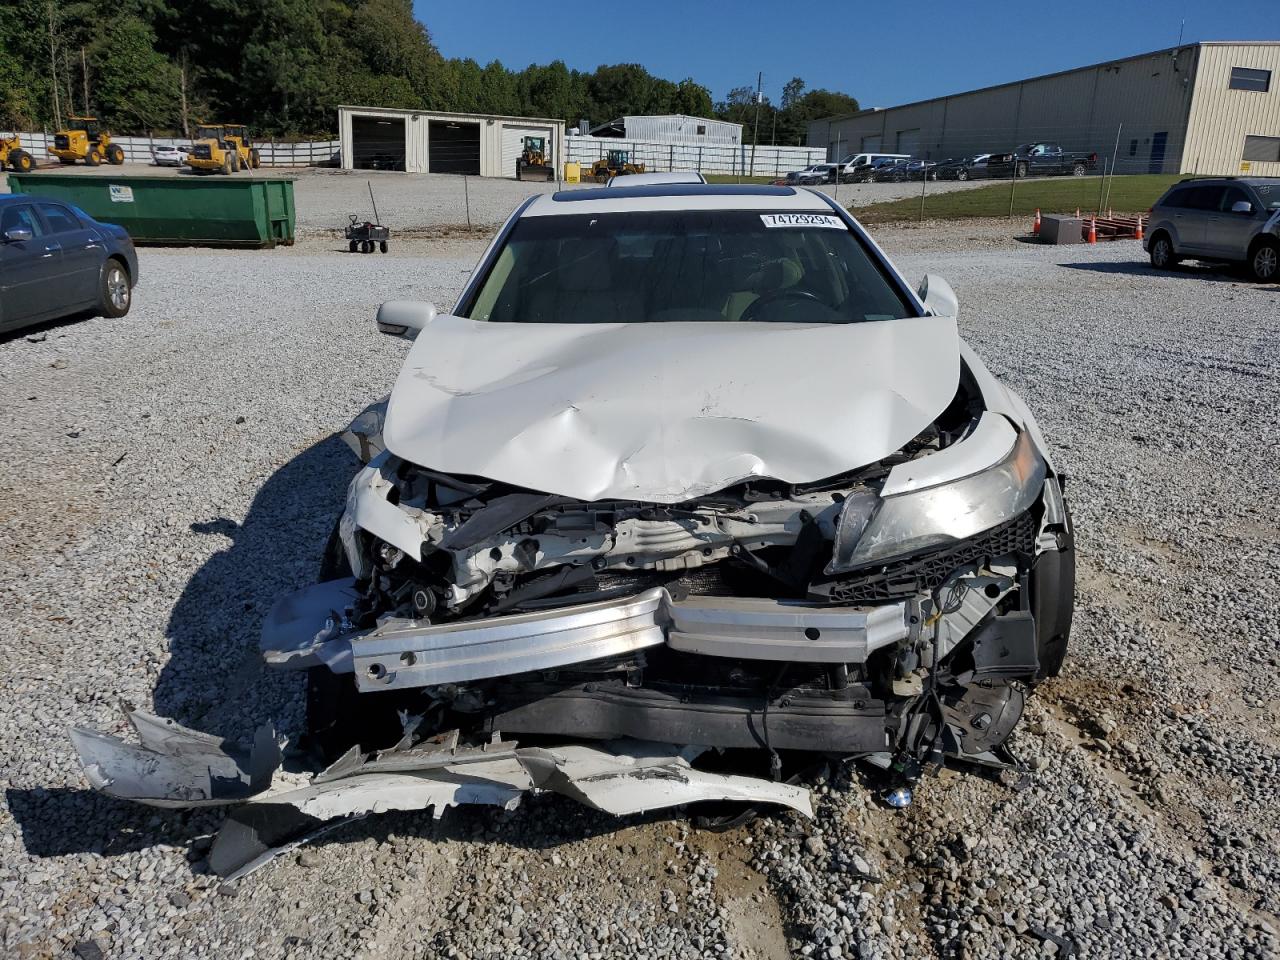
[(1161, 251), (115, 292), (1264, 262)]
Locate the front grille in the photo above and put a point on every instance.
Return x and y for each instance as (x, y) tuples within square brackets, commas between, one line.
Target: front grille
[(201, 151), (61, 142), (929, 571)]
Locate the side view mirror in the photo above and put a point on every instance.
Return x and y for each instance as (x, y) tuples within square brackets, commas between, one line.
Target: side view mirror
[(1242, 206), (17, 235), (938, 296), (405, 318)]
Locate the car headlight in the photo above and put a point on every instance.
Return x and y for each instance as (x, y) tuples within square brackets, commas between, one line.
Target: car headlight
[(872, 529)]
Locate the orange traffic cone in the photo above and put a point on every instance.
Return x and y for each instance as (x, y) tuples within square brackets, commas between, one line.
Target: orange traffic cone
[(1093, 230), (1035, 227), (1137, 234)]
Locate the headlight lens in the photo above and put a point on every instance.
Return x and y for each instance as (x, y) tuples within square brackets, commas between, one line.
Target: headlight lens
[(875, 530)]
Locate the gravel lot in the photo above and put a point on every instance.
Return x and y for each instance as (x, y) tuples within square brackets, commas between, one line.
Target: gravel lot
[(167, 475)]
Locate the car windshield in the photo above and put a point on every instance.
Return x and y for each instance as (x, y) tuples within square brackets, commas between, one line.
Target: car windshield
[(685, 266)]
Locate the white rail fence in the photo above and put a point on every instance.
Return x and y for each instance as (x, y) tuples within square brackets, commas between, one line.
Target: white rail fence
[(730, 159), (655, 155), (275, 153)]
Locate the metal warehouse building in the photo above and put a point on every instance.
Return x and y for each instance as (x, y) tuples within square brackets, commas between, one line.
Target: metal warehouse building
[(1209, 108), (420, 141), (672, 128)]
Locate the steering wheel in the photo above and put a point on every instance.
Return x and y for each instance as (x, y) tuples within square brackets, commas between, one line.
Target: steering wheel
[(777, 296)]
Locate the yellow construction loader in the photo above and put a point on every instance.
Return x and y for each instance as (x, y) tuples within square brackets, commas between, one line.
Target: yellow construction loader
[(12, 155), (616, 164), (532, 163), (83, 139), (222, 148)]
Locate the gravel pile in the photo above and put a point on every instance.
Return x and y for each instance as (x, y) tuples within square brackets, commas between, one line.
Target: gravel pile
[(168, 475)]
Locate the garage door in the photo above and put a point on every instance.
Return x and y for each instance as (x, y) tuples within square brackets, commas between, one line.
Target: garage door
[(871, 144), (513, 145), (453, 147), (909, 141), (377, 143)]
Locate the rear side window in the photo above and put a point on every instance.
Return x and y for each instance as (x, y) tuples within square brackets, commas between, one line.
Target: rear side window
[(19, 217), (61, 220)]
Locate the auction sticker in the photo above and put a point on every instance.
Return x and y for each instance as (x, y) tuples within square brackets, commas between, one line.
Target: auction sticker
[(121, 194), (803, 220)]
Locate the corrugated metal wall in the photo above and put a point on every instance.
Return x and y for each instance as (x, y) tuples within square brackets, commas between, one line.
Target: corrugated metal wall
[(678, 128), (1221, 117), (1080, 109)]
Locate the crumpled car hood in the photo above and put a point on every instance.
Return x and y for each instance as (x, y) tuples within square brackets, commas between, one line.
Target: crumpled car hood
[(665, 412)]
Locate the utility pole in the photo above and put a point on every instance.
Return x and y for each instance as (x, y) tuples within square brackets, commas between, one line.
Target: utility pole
[(53, 70), (182, 91), (84, 76), (755, 127)]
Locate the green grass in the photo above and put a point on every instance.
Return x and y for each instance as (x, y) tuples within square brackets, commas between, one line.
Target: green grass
[(1129, 194)]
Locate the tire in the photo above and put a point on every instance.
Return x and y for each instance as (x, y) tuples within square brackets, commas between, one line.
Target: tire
[(1020, 170), (382, 246), (353, 246), (366, 246), (255, 158), (115, 154), (21, 161), (226, 165), (235, 162), (1264, 260), (115, 294), (962, 174), (93, 158), (1161, 251), (1078, 170)]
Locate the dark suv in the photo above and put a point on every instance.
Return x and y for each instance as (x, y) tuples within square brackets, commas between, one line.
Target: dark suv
[(1227, 219)]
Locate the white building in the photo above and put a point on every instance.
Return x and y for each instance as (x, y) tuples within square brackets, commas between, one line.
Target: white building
[(432, 141), (1208, 108), (672, 128)]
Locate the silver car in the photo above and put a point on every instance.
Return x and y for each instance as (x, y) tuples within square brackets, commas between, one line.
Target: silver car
[(1224, 219)]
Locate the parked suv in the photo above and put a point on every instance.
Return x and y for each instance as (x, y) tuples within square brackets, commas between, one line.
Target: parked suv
[(1226, 219)]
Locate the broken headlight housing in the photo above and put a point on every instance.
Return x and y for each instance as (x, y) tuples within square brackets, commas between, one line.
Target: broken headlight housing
[(873, 529)]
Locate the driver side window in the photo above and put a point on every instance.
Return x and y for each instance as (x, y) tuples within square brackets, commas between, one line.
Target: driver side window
[(20, 217)]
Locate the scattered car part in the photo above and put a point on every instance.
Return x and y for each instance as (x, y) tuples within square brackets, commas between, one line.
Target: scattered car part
[(175, 767)]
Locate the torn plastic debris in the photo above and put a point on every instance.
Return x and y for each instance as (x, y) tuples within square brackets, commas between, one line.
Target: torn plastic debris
[(177, 767)]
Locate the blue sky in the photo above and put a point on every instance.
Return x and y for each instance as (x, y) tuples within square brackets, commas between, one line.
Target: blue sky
[(883, 54)]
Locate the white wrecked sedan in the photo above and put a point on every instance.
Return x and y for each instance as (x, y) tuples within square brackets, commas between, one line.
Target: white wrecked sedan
[(691, 464), (688, 468)]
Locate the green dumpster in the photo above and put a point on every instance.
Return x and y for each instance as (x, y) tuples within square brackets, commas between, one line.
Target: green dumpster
[(178, 210)]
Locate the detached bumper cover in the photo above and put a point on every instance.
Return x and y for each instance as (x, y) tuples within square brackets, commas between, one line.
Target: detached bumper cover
[(305, 630), (173, 766)]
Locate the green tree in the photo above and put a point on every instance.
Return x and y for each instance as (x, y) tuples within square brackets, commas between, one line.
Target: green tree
[(134, 87)]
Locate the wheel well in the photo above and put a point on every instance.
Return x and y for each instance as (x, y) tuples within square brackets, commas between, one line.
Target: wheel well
[(123, 264), (1260, 239), (1162, 233)]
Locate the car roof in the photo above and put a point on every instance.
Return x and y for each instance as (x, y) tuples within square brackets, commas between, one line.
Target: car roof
[(676, 196)]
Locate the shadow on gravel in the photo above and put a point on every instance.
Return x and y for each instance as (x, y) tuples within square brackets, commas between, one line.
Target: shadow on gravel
[(56, 822), (214, 679), (1138, 268)]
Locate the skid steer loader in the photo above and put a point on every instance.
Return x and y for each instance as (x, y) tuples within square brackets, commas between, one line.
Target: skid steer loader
[(13, 156), (83, 139)]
